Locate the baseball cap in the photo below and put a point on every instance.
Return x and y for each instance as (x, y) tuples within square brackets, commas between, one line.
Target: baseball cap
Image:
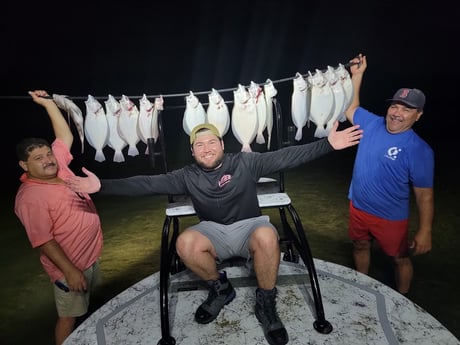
[(198, 128), (413, 98)]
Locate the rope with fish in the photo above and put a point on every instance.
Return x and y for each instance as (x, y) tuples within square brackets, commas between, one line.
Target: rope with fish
[(177, 94)]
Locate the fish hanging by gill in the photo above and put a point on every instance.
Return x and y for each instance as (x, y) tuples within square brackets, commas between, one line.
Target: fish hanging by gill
[(269, 93), (218, 113), (194, 113), (257, 93), (144, 122), (72, 110), (300, 112), (345, 79), (127, 124), (322, 102), (96, 127), (339, 97), (244, 118), (158, 107), (116, 142)]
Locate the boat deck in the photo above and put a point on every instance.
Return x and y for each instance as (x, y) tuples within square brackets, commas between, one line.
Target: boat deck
[(360, 309)]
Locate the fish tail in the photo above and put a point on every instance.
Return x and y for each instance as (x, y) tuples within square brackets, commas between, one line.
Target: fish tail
[(320, 132), (118, 157), (246, 148), (298, 135), (133, 151), (100, 157), (260, 138)]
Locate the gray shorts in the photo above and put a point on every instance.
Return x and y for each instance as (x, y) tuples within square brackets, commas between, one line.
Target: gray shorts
[(232, 240), (74, 304)]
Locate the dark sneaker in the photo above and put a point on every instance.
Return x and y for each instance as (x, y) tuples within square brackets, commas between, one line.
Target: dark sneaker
[(221, 292), (266, 313)]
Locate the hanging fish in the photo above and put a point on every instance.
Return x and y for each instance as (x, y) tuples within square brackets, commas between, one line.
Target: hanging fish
[(194, 113), (144, 122), (72, 110), (158, 106), (322, 102), (127, 124), (300, 104), (257, 93), (116, 142), (244, 118), (345, 79), (96, 127), (217, 112), (339, 97), (269, 93)]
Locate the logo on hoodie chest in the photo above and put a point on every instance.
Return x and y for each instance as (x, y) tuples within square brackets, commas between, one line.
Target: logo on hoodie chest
[(224, 180)]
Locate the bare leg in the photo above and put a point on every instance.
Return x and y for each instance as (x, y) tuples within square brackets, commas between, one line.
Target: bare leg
[(264, 247), (403, 274), (362, 255), (198, 254), (64, 326)]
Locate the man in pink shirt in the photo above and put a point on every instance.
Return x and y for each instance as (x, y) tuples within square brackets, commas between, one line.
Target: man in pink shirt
[(62, 224)]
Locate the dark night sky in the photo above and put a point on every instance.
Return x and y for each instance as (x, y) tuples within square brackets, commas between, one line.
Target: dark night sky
[(152, 47)]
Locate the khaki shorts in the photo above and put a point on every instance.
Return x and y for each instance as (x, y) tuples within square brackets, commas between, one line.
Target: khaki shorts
[(74, 304)]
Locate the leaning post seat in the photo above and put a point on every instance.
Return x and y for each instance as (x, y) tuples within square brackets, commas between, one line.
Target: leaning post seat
[(270, 194)]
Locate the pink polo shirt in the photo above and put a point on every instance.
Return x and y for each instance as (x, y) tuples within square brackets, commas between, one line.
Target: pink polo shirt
[(53, 211)]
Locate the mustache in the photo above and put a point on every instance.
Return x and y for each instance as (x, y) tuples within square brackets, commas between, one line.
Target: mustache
[(50, 165)]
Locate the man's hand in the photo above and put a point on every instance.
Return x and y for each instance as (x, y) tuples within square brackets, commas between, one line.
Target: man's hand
[(89, 184), (41, 97), (360, 64), (342, 139), (421, 243)]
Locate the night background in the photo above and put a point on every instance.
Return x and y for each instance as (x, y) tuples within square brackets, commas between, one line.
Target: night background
[(169, 48)]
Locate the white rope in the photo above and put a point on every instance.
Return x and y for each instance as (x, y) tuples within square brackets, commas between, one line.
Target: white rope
[(173, 94)]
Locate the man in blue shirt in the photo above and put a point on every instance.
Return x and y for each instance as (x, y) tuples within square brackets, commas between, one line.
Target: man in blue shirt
[(391, 159)]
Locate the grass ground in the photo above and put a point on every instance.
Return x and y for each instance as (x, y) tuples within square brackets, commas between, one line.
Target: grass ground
[(132, 230)]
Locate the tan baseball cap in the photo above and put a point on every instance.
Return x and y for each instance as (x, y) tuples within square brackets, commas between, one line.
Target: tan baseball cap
[(202, 128)]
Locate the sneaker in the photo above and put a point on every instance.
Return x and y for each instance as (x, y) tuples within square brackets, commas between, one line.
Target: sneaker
[(221, 292), (266, 313)]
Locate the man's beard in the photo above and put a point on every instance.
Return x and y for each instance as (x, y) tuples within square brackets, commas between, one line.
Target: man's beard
[(216, 164)]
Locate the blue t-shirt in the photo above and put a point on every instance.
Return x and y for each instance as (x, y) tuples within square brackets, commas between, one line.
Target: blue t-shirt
[(386, 166)]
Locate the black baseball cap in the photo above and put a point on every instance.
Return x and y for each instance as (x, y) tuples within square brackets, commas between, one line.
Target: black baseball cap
[(413, 98)]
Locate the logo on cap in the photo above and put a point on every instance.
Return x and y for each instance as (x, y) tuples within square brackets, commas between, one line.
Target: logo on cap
[(413, 98)]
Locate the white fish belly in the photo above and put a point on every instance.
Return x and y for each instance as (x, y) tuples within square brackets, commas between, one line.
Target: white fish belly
[(97, 132)]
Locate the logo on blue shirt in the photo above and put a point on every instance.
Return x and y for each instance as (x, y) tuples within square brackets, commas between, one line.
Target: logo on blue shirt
[(392, 153)]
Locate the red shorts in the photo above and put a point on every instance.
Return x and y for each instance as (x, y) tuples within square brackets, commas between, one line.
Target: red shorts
[(392, 236)]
